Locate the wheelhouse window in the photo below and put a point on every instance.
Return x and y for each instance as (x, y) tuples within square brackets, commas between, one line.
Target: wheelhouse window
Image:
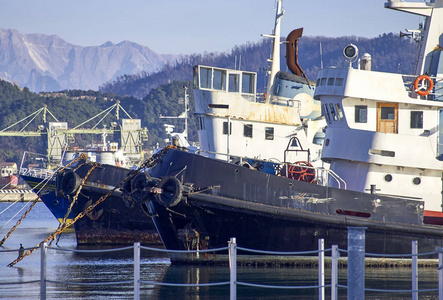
[(225, 128), (248, 82), (247, 130), (205, 78), (269, 133), (234, 82), (361, 114), (326, 113), (416, 119), (334, 116), (219, 79), (339, 111)]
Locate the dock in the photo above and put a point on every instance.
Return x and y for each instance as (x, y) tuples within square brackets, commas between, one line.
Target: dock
[(11, 195)]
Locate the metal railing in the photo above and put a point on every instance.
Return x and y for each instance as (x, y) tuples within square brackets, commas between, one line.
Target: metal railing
[(355, 275)]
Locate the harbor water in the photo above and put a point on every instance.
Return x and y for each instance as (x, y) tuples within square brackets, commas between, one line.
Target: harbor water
[(155, 266)]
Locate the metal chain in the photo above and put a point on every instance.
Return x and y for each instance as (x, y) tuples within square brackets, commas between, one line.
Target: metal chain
[(82, 156), (152, 161)]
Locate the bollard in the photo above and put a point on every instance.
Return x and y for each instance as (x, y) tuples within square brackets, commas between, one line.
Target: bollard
[(43, 271), (356, 263), (137, 271), (334, 272), (321, 269), (414, 262), (233, 269)]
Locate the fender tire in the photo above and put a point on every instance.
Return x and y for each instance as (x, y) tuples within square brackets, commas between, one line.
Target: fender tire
[(70, 182), (172, 191)]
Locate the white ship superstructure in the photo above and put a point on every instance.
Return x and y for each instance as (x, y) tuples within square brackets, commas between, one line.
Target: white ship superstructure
[(385, 130), (234, 120)]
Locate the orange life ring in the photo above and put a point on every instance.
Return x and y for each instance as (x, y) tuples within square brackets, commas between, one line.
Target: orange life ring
[(429, 86)]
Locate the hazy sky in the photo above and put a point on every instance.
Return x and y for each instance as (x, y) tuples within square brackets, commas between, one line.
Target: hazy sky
[(195, 26)]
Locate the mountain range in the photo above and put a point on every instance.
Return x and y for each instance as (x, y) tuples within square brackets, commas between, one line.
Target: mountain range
[(48, 63)]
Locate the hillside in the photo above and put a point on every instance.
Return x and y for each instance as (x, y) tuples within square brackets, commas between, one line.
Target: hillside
[(389, 53)]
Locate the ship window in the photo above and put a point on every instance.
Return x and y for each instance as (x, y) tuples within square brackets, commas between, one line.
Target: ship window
[(387, 113), (416, 119), (205, 78), (201, 123), (331, 81), (219, 80), (339, 111), (334, 116), (269, 133), (323, 81), (361, 114), (233, 83), (225, 128), (339, 81), (247, 83), (247, 130), (326, 113), (195, 78), (318, 81)]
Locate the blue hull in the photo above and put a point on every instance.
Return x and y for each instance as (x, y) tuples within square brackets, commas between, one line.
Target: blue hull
[(57, 206)]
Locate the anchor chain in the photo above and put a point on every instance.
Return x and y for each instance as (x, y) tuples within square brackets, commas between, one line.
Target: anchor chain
[(152, 161), (42, 190)]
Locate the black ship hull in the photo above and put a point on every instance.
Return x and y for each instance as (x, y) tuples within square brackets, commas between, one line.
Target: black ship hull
[(115, 221), (274, 213)]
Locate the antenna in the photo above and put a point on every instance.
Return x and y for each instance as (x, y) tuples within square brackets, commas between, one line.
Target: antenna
[(321, 57)]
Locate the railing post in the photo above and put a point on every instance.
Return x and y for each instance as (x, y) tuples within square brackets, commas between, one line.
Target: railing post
[(440, 273), (334, 272), (356, 263), (233, 269), (414, 262), (137, 271), (43, 271), (321, 269)]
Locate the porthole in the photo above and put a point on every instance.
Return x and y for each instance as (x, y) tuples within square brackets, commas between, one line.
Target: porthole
[(388, 177), (416, 180)]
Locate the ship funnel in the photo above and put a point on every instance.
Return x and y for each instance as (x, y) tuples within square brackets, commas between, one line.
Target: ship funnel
[(292, 52)]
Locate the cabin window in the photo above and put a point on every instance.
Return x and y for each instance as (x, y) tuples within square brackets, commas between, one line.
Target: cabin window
[(331, 81), (334, 116), (326, 113), (205, 78), (269, 133), (219, 80), (247, 83), (200, 123), (361, 114), (338, 81), (234, 83), (387, 113), (247, 130), (318, 81), (323, 81), (416, 119), (195, 78), (225, 128), (339, 111)]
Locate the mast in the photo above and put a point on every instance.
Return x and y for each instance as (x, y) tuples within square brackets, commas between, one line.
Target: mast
[(275, 58), (433, 27)]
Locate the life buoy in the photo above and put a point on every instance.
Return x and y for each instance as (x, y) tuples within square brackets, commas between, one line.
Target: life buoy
[(172, 191), (301, 171), (70, 182), (425, 88)]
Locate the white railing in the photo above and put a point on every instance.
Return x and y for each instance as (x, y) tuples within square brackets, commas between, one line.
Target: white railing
[(355, 276), (435, 94)]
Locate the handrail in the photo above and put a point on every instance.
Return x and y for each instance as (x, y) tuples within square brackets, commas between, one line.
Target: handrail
[(232, 247)]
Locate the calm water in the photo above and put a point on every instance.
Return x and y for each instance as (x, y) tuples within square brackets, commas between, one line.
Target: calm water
[(118, 266)]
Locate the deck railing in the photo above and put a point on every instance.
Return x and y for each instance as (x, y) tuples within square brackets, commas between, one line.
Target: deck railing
[(355, 263)]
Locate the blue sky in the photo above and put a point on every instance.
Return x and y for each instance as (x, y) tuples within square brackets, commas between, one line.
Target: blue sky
[(196, 26)]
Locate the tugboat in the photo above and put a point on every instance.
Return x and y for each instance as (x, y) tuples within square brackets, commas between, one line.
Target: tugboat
[(264, 131), (382, 140)]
